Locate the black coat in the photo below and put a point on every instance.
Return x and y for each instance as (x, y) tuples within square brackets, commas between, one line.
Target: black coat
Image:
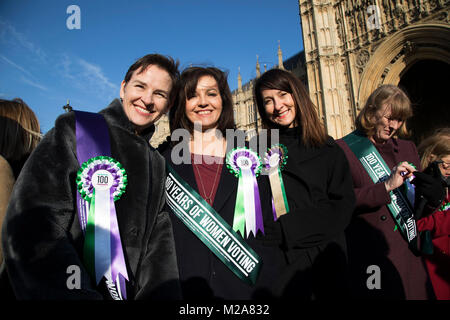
[(202, 274), (41, 233), (321, 201)]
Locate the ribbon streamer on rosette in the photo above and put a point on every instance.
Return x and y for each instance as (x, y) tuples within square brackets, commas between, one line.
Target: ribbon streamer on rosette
[(408, 188), (101, 181), (275, 160), (246, 165)]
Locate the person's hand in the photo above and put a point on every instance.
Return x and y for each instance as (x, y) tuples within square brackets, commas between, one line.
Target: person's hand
[(429, 187), (399, 174)]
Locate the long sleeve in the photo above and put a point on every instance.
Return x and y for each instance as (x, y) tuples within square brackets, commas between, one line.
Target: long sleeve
[(158, 276), (159, 272), (330, 206), (39, 247), (371, 196)]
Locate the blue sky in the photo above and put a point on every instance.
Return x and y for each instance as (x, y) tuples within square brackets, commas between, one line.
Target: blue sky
[(45, 63)]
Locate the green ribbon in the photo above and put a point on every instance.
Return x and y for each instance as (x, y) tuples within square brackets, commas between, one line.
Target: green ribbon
[(89, 240), (378, 171), (283, 191), (211, 228)]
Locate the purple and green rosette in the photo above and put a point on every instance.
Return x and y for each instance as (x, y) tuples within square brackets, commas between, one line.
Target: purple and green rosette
[(101, 181), (245, 164), (275, 160)]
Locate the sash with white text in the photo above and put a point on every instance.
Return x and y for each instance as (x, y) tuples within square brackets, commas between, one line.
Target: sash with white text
[(378, 171), (211, 229)]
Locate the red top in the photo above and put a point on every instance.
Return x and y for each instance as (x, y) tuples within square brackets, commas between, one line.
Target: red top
[(438, 263), (207, 171)]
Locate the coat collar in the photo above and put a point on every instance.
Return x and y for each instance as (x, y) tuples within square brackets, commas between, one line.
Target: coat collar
[(116, 116), (297, 151)]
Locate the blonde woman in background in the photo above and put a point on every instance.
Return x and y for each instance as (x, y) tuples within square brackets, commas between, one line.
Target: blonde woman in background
[(19, 135)]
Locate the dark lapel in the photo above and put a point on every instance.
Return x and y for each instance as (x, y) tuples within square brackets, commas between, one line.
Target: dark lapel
[(186, 172), (227, 185)]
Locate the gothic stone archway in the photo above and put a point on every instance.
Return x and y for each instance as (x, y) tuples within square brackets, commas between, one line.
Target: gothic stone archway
[(397, 61)]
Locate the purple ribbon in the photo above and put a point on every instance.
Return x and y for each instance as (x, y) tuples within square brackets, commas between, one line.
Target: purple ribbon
[(87, 126), (259, 225), (92, 141), (274, 212)]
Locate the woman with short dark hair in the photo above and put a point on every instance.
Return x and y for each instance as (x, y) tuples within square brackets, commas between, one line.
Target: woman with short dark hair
[(86, 218), (317, 187)]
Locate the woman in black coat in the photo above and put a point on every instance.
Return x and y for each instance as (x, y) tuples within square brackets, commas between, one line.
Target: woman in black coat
[(318, 188), (43, 234), (199, 159)]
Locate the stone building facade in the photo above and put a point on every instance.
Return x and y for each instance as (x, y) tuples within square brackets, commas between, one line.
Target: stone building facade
[(353, 46), (245, 111)]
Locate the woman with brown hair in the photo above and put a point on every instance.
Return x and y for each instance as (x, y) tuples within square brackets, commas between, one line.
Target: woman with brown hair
[(19, 135), (215, 262), (19, 132), (318, 189), (382, 237)]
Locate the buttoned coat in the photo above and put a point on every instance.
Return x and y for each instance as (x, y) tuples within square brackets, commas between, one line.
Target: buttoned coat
[(42, 237), (372, 241), (321, 201)]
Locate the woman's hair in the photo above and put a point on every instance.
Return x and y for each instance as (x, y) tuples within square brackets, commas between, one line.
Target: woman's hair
[(19, 132), (435, 147), (389, 95), (188, 85), (313, 131), (164, 62)]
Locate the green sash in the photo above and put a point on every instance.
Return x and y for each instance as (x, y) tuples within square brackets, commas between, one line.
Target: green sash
[(378, 171), (210, 228)]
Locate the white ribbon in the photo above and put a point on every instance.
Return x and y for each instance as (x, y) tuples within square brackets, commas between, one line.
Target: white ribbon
[(249, 200)]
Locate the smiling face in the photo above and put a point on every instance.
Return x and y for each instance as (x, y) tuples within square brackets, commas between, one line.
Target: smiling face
[(145, 97), (205, 106), (280, 107), (385, 125)]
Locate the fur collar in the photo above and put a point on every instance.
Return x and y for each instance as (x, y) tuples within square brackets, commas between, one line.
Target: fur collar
[(115, 115)]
